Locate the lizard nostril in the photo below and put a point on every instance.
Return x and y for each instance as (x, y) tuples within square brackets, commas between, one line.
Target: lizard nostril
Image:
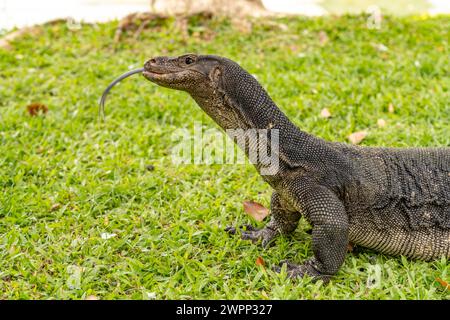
[(150, 63)]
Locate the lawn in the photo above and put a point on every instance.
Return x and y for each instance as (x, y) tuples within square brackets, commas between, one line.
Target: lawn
[(82, 215)]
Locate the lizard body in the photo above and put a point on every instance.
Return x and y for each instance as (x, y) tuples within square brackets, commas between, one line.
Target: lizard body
[(393, 200)]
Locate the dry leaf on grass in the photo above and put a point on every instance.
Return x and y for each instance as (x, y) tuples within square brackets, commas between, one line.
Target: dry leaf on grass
[(323, 37), (34, 109), (260, 262), (381, 123), (357, 137), (91, 297), (55, 207), (443, 283), (380, 47), (256, 210), (325, 113), (391, 108), (151, 295), (106, 235)]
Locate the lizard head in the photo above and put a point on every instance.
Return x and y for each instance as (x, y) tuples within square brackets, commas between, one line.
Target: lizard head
[(230, 95), (196, 74)]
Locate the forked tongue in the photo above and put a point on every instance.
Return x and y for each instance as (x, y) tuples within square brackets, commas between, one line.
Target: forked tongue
[(112, 84)]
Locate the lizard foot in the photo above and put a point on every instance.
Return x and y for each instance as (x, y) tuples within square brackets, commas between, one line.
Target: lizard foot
[(299, 270), (248, 232)]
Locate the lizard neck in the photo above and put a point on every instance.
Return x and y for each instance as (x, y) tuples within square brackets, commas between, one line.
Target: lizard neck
[(240, 102), (250, 116)]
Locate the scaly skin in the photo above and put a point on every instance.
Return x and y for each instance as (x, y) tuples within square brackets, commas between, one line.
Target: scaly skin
[(396, 201)]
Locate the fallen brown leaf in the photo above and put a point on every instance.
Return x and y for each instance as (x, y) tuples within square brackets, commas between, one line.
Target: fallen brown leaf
[(391, 108), (357, 137), (381, 123), (325, 113), (55, 207), (34, 109), (443, 283), (260, 262), (323, 37), (380, 47), (91, 297), (256, 210)]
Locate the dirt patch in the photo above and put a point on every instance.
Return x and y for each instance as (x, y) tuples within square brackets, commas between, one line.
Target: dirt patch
[(5, 42)]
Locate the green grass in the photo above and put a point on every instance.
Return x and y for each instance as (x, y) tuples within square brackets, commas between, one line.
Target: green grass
[(168, 222)]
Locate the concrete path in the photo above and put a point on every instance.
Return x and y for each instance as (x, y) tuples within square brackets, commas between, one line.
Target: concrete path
[(304, 7), (28, 12), (439, 6)]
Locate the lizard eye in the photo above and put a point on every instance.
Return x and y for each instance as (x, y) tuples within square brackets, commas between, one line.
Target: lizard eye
[(186, 60)]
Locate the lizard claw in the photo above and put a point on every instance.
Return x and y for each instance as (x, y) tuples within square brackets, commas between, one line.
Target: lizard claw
[(292, 270), (230, 230), (277, 269), (248, 232), (299, 270), (233, 230)]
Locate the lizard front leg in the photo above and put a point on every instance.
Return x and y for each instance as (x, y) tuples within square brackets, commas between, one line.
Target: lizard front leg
[(283, 221), (327, 215)]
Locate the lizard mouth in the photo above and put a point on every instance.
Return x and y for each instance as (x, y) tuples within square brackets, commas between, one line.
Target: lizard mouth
[(151, 74), (159, 76)]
